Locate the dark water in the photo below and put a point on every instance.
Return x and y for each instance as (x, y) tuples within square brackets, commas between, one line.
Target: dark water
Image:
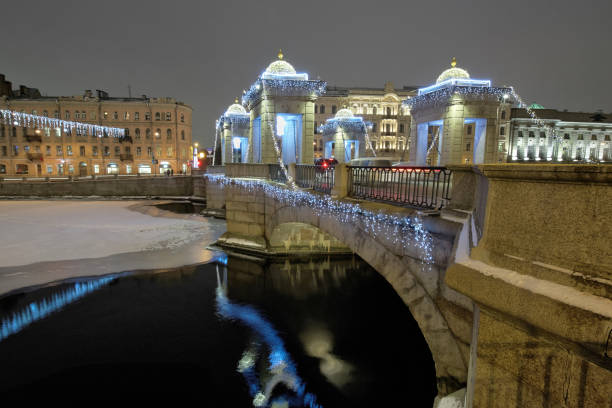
[(182, 207), (330, 334)]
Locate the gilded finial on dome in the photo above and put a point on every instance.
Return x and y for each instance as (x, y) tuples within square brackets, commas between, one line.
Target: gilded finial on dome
[(236, 100), (454, 62), (280, 54)]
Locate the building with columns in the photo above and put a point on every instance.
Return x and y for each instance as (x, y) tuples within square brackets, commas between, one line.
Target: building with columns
[(382, 107), (157, 135), (565, 137)]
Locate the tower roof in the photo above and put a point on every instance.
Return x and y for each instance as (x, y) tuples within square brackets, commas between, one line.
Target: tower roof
[(453, 73)]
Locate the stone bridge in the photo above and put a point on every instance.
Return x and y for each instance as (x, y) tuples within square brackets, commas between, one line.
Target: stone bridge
[(521, 317)]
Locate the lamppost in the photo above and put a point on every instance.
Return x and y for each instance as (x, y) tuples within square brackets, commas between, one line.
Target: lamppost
[(195, 156), (155, 162)]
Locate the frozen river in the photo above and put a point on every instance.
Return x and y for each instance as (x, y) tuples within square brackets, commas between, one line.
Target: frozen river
[(47, 240)]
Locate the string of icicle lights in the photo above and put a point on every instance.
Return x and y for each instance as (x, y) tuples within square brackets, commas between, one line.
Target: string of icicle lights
[(22, 119), (35, 311), (282, 87), (403, 231)]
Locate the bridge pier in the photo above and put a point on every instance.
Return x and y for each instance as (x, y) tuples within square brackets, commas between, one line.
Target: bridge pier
[(541, 276)]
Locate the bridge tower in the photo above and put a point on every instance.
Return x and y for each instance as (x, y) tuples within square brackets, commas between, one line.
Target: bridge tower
[(457, 120), (281, 103), (232, 135), (344, 136)]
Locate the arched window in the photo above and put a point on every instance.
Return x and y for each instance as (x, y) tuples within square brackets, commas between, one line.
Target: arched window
[(2, 169), (182, 135), (334, 108), (148, 133), (374, 110), (158, 134), (316, 108), (14, 131), (503, 114), (83, 115), (127, 131), (168, 134), (182, 118), (388, 111), (2, 131), (322, 109), (137, 133), (157, 116)]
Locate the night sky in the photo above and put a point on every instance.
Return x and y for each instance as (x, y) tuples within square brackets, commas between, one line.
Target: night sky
[(556, 53)]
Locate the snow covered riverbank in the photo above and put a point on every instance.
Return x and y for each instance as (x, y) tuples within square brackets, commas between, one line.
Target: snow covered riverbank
[(42, 241)]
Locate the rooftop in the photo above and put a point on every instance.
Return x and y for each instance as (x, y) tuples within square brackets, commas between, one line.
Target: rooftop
[(553, 114)]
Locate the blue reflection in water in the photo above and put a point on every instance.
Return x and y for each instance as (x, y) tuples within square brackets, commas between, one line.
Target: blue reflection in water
[(40, 309), (280, 366)]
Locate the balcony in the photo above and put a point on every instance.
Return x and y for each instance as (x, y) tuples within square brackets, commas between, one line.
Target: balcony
[(33, 138), (126, 157), (35, 156)]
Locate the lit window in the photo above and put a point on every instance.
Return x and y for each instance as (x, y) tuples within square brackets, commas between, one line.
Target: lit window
[(168, 116), (136, 115)]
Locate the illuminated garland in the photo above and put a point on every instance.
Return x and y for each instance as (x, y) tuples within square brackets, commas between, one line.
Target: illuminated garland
[(279, 156), (35, 121), (441, 96), (539, 122), (282, 87), (234, 119), (349, 125), (38, 310), (403, 231)]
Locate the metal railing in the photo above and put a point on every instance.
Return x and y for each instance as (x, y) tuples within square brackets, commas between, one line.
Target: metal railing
[(421, 187), (316, 177), (277, 173)]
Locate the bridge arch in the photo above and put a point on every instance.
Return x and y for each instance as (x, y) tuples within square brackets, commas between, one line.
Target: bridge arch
[(418, 284)]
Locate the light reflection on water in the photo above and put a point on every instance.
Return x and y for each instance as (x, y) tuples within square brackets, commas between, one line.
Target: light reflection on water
[(285, 334), (37, 310), (281, 366)]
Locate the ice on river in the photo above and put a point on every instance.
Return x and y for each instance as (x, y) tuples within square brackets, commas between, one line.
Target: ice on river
[(105, 236)]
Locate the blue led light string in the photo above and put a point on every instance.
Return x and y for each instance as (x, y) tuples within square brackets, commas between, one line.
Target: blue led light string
[(22, 119)]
